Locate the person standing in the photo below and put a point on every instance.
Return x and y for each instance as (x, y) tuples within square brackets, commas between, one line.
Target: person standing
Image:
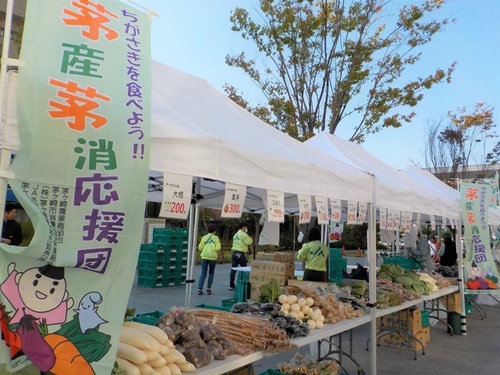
[(449, 256), (241, 241), (12, 233), (437, 249), (209, 247), (315, 253)]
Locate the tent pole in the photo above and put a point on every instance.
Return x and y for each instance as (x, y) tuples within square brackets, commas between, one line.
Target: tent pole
[(372, 282), (461, 282), (194, 215)]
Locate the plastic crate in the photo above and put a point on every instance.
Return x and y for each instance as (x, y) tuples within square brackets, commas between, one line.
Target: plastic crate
[(244, 276), (336, 270), (149, 282), (242, 291), (425, 318), (335, 253), (228, 303), (151, 318), (407, 263)]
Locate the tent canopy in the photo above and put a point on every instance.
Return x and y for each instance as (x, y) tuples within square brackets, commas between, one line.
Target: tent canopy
[(196, 130), (394, 190)]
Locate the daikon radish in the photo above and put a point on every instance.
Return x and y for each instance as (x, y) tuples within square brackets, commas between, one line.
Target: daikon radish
[(175, 356), (164, 349), (158, 362), (151, 356), (127, 366), (145, 369), (154, 331), (131, 353), (139, 339), (165, 370), (186, 367), (174, 369)]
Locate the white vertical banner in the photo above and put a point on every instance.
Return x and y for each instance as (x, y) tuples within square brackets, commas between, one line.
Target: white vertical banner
[(234, 200), (363, 209), (322, 209), (352, 212), (409, 217), (403, 221), (383, 218), (276, 206), (305, 208), (390, 219), (443, 222), (418, 220), (397, 219), (336, 207), (433, 222), (177, 190)]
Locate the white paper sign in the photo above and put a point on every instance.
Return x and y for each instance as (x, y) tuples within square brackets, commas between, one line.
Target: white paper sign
[(383, 218), (234, 200), (336, 207), (443, 222), (390, 220), (176, 196), (276, 206), (409, 218), (352, 212), (397, 220), (363, 208), (305, 208), (419, 218), (433, 221), (322, 209)]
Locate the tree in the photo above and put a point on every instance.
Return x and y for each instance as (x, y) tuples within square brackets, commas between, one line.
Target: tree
[(461, 140), (329, 60)]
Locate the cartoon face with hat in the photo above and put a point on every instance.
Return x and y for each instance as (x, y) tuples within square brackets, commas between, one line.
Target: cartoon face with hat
[(38, 291)]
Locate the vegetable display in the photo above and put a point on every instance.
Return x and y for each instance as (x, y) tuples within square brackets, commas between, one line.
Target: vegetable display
[(306, 365), (409, 279), (147, 350), (302, 309)]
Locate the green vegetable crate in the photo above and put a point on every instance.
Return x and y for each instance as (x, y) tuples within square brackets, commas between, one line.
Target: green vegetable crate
[(272, 372), (425, 318), (407, 263), (151, 318)]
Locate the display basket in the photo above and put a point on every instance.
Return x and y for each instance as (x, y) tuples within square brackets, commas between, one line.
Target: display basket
[(151, 318), (228, 303)]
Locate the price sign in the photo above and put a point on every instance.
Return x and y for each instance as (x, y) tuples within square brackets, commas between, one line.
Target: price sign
[(336, 207), (397, 220), (352, 212), (433, 221), (363, 208), (443, 222), (390, 220), (176, 196), (383, 218), (409, 217), (276, 206), (322, 209), (234, 199), (304, 208)]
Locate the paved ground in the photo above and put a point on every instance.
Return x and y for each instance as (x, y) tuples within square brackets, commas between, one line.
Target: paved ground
[(476, 353)]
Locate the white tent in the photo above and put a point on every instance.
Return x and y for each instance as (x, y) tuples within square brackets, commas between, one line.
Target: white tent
[(196, 130), (394, 190), (440, 187)]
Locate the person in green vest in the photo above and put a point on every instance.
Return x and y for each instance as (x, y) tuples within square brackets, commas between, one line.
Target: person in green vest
[(315, 253), (209, 247), (241, 241)]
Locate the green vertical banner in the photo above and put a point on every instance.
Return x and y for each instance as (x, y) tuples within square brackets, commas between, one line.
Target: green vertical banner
[(479, 264), (81, 175)]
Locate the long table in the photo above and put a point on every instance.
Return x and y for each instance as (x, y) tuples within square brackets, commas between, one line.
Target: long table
[(317, 335)]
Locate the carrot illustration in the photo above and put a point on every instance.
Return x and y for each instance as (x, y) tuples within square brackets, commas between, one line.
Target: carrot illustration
[(68, 359)]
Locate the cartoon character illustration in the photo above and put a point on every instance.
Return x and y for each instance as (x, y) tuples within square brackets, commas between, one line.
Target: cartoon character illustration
[(475, 272), (39, 292), (40, 298), (87, 311)]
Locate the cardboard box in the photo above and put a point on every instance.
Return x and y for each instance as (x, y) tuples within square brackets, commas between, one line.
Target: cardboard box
[(276, 268), (410, 321), (278, 256), (264, 278), (452, 302), (306, 284), (406, 342)]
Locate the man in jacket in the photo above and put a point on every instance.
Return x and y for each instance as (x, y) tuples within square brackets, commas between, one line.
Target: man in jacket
[(241, 241)]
